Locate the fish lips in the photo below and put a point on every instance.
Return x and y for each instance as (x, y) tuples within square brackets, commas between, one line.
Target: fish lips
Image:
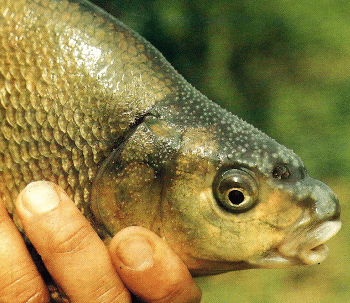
[(303, 246)]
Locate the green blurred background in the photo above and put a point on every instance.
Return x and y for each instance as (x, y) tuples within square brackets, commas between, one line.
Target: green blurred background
[(283, 66)]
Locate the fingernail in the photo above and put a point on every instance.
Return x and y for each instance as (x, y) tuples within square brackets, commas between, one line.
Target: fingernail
[(39, 197), (136, 253)]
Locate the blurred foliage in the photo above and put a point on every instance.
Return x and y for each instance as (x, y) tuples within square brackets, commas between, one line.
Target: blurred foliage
[(283, 66)]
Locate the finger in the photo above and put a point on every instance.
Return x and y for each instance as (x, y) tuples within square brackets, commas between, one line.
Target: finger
[(72, 252), (150, 269), (19, 279)]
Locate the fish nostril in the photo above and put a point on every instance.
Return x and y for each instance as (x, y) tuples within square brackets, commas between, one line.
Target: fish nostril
[(324, 202)]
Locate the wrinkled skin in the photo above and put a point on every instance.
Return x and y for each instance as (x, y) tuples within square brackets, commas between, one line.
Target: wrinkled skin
[(88, 104)]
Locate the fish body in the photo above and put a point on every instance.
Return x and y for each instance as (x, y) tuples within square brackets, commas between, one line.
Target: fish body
[(87, 103)]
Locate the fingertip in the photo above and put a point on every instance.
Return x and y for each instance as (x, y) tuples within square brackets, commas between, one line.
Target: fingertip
[(37, 198), (135, 253), (150, 269)]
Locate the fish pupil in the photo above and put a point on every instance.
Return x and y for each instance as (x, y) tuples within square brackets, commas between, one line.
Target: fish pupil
[(236, 197)]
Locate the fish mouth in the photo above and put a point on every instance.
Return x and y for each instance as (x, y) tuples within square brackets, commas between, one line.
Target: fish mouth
[(303, 246)]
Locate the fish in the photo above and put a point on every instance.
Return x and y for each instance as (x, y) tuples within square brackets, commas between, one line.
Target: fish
[(87, 103)]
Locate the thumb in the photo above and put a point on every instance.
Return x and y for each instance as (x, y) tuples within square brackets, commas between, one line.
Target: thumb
[(150, 269)]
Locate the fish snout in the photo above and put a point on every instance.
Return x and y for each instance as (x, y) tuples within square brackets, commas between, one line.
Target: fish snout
[(305, 243), (322, 201)]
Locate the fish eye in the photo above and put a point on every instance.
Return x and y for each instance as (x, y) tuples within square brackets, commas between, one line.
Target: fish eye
[(236, 190)]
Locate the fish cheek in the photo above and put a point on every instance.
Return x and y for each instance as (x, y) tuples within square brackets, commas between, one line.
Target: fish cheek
[(203, 232), (128, 186), (126, 196), (266, 225), (281, 211), (182, 220)]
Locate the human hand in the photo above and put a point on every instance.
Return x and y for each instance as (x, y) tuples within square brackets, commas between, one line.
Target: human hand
[(137, 259)]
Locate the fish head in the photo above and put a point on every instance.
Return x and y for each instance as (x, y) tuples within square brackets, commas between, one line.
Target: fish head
[(224, 195), (253, 207)]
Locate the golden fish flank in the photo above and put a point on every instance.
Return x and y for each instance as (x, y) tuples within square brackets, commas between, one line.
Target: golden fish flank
[(87, 103)]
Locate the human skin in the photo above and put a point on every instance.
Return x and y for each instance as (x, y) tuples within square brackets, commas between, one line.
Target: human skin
[(136, 260)]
